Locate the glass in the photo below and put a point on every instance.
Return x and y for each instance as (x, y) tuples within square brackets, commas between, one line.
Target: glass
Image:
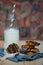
[(11, 32)]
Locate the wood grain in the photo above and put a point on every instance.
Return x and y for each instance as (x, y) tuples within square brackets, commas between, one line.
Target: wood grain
[(1, 43), (35, 62)]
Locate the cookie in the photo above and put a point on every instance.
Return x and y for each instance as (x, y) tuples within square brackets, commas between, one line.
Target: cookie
[(29, 52), (27, 46), (37, 44), (35, 50), (12, 48), (32, 43)]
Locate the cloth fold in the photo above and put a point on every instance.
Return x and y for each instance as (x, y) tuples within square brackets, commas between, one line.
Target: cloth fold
[(22, 57)]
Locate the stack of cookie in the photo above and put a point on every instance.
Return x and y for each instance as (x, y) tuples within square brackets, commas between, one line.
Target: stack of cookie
[(30, 47)]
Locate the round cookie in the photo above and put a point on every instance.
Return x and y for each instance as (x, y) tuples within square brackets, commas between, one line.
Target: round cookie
[(32, 43), (12, 48), (35, 50), (29, 52)]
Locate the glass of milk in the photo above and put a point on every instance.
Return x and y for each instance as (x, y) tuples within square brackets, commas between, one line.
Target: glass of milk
[(11, 32)]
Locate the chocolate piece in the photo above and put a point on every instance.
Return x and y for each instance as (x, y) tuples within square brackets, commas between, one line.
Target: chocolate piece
[(12, 48)]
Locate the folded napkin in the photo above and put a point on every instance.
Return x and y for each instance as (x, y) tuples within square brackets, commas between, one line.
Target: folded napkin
[(22, 57)]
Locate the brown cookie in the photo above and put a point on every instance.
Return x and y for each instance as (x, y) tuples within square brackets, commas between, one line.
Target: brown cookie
[(32, 43), (35, 50), (29, 52), (12, 48), (37, 44), (25, 46)]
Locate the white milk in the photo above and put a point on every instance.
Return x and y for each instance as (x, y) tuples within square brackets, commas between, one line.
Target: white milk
[(11, 36)]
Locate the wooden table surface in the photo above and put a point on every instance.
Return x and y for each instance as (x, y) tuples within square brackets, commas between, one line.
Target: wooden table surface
[(35, 62)]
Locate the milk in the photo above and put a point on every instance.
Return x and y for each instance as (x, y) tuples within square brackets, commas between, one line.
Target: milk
[(11, 36), (11, 32)]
